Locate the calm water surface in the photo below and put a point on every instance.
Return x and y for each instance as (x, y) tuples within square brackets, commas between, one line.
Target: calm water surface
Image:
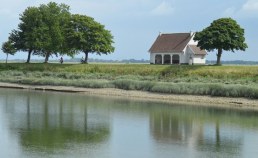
[(47, 124)]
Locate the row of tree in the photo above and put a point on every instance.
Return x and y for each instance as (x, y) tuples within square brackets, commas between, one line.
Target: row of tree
[(52, 30)]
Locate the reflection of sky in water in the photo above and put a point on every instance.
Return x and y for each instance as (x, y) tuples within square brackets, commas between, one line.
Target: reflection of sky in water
[(8, 139), (46, 124)]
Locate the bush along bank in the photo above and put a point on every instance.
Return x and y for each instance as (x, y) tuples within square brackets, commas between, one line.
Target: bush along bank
[(212, 89), (224, 81), (222, 90)]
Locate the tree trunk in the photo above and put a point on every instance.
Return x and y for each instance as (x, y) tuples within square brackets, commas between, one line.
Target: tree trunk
[(6, 58), (219, 56), (86, 57), (29, 55), (218, 142), (47, 56)]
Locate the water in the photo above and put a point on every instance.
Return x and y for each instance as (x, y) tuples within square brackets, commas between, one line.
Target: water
[(47, 124)]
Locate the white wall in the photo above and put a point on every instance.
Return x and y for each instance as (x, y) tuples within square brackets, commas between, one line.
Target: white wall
[(188, 54), (184, 58), (199, 59), (152, 58)]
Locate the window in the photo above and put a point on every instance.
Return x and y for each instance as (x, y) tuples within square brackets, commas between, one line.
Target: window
[(175, 59), (158, 59), (167, 59)]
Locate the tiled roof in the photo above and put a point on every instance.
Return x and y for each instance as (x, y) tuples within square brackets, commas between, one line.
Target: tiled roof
[(197, 50), (175, 42)]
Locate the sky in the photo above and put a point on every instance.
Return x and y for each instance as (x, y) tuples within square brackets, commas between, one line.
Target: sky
[(135, 24)]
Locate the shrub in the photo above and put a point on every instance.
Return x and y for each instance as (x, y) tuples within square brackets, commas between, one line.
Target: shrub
[(226, 81), (133, 85)]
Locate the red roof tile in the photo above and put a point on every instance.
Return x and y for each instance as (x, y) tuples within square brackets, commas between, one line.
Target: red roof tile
[(175, 42)]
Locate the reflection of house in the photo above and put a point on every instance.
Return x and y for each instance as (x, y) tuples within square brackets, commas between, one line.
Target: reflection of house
[(176, 48), (167, 127), (199, 128)]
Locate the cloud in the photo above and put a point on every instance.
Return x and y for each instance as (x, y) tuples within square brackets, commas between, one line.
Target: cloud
[(229, 12), (250, 6), (247, 10), (109, 8), (164, 8)]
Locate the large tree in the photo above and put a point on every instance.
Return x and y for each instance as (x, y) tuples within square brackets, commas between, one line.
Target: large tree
[(28, 35), (8, 48), (86, 35), (55, 18), (222, 34), (42, 30), (50, 29)]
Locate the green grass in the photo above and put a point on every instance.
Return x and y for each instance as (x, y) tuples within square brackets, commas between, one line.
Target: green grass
[(163, 71), (233, 81)]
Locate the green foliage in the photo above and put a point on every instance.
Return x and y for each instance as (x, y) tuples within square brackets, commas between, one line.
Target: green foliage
[(28, 35), (8, 48), (55, 18), (86, 35), (222, 34), (207, 89), (169, 73), (50, 29), (133, 85)]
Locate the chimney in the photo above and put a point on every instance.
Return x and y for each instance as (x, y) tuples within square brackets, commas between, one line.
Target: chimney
[(160, 33)]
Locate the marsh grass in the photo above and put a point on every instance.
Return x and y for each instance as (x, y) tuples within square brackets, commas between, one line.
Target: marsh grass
[(162, 71), (226, 81)]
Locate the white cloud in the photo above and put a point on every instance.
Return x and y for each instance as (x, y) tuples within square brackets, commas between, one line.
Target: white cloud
[(250, 6), (249, 9), (229, 12), (108, 8), (163, 8), (246, 10)]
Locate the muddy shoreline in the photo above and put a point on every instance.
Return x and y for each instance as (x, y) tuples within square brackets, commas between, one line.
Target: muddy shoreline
[(223, 102)]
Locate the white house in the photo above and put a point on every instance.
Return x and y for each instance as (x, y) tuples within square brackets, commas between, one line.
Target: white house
[(176, 48)]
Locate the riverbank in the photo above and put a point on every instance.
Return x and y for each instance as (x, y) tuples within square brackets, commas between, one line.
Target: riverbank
[(223, 102), (197, 80), (165, 82)]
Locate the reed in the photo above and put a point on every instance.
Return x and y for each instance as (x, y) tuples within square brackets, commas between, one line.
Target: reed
[(225, 81)]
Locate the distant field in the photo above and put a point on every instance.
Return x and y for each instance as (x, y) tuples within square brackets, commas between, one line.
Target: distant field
[(234, 81)]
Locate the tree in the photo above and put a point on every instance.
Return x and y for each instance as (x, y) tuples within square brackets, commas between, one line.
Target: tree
[(55, 18), (222, 34), (8, 48), (51, 30), (28, 35), (86, 35), (41, 30)]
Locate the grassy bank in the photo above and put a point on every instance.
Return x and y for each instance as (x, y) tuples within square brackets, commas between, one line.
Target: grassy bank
[(227, 81)]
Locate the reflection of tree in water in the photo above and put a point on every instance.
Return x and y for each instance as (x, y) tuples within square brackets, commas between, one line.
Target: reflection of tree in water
[(51, 122), (199, 128), (166, 127), (217, 142)]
